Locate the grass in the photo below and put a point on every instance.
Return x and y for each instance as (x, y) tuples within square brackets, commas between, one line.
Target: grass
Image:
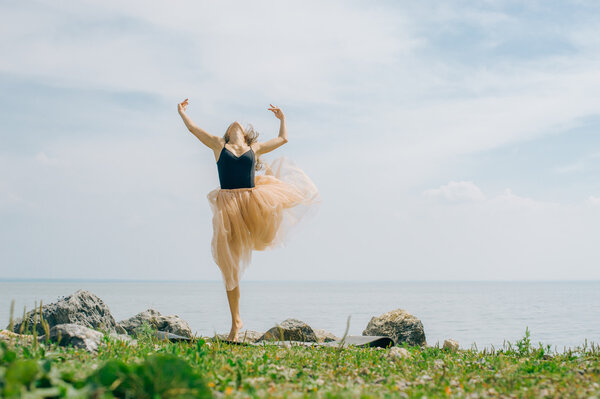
[(154, 368)]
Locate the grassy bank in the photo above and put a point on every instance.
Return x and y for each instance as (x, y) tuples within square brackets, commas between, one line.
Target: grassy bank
[(204, 369)]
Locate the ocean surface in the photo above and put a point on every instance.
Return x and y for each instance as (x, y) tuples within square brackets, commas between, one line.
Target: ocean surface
[(476, 314)]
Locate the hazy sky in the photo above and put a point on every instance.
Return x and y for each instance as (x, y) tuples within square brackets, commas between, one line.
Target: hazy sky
[(449, 139)]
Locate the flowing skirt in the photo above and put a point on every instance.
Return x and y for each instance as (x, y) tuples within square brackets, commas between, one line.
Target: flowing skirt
[(259, 218)]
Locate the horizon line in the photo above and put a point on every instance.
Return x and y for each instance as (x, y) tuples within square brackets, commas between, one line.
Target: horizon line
[(286, 281)]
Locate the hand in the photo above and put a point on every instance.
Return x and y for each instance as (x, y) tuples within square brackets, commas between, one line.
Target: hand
[(181, 106), (277, 111)]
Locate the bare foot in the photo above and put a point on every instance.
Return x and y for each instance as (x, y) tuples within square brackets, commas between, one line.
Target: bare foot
[(235, 328)]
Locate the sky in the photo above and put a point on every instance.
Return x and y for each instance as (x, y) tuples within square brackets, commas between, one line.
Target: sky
[(449, 140)]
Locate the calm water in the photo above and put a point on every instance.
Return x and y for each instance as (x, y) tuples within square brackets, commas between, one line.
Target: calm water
[(562, 314)]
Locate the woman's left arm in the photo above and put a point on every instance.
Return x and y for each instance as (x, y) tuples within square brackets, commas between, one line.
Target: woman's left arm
[(278, 141)]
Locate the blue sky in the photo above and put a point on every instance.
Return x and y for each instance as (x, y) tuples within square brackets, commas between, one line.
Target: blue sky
[(449, 140)]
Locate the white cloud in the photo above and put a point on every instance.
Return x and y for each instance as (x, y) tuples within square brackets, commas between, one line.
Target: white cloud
[(593, 200), (44, 159), (467, 191), (204, 50), (508, 199), (456, 191)]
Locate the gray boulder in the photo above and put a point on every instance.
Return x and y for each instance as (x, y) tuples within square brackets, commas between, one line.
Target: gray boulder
[(290, 330), (82, 307), (249, 335), (399, 325), (325, 336), (77, 336), (172, 324)]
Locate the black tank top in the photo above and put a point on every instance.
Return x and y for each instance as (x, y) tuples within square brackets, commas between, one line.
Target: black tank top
[(236, 172)]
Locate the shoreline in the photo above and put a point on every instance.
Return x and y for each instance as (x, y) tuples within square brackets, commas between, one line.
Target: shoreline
[(215, 369), (445, 315)]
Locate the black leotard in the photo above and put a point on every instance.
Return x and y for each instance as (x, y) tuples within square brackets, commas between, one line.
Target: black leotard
[(236, 172)]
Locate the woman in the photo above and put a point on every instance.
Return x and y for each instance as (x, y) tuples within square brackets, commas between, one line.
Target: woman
[(251, 212)]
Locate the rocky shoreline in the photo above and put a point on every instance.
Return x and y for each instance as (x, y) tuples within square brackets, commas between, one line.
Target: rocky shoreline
[(80, 319)]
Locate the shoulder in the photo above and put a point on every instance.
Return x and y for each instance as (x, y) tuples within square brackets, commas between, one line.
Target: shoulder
[(219, 143)]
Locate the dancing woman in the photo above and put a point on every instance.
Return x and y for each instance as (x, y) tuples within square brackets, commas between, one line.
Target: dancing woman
[(251, 211)]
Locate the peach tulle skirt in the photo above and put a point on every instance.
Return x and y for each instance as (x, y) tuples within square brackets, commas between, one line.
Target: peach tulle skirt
[(259, 218)]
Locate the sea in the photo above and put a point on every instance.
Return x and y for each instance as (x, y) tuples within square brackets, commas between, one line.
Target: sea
[(478, 314)]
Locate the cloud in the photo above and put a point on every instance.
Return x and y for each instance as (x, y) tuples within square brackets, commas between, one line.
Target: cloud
[(456, 191), (510, 200), (380, 100), (302, 52), (44, 159), (467, 191), (593, 200)]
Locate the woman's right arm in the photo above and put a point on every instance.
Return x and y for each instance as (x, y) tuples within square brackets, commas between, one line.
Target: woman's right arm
[(208, 139)]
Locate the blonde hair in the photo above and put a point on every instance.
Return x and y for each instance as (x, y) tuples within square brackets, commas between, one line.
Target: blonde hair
[(251, 136)]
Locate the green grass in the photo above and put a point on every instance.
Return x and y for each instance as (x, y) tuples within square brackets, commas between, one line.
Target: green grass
[(154, 369)]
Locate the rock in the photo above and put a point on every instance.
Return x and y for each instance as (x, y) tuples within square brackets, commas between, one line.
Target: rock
[(249, 335), (221, 337), (325, 336), (397, 352), (290, 330), (77, 336), (450, 345), (173, 324), (82, 307), (9, 336), (167, 336), (399, 325)]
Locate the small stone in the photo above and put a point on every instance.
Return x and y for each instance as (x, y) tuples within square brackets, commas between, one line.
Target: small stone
[(397, 352), (451, 345), (9, 336)]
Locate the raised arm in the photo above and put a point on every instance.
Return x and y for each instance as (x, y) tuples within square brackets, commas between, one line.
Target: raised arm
[(208, 139), (270, 145)]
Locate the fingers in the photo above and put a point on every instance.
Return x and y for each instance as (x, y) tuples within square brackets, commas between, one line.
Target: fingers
[(275, 110)]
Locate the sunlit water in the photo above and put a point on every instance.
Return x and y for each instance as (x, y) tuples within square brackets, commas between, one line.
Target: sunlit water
[(562, 314)]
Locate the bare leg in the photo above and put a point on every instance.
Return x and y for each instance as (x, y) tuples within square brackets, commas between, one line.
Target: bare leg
[(234, 305)]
